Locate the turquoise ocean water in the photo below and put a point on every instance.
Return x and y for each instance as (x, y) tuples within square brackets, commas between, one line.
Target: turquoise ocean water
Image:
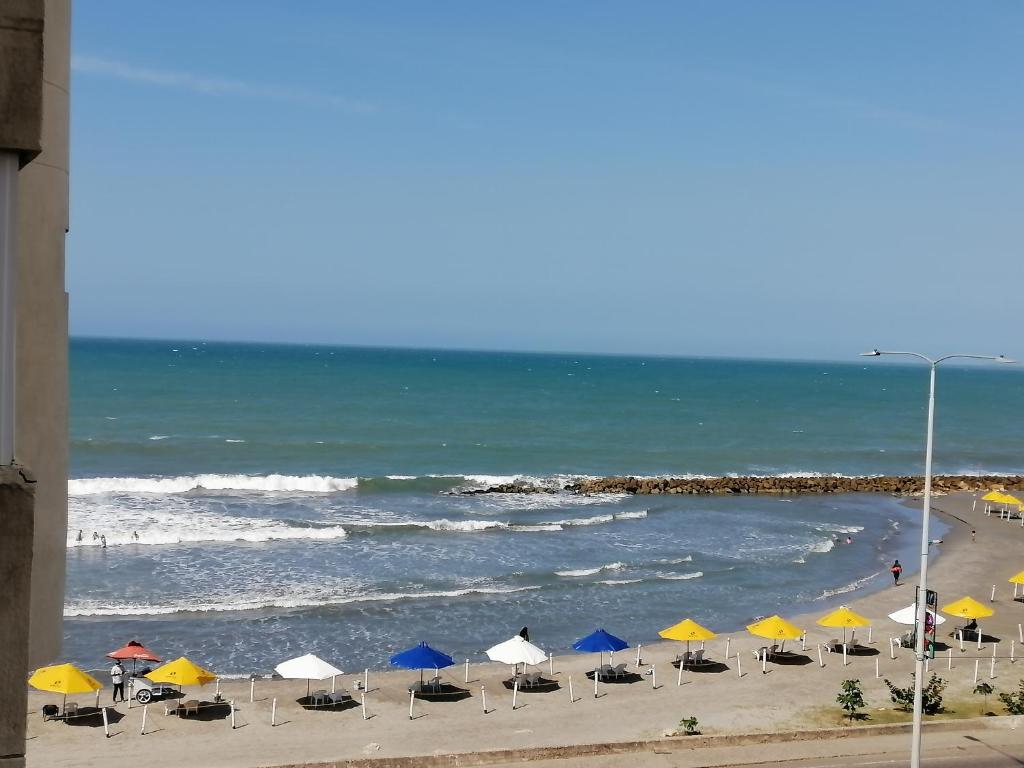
[(297, 498)]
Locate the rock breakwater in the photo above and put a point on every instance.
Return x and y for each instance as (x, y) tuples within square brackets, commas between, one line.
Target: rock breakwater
[(898, 485)]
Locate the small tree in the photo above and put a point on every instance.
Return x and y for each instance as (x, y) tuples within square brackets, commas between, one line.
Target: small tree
[(689, 726), (1014, 702), (985, 690), (851, 697)]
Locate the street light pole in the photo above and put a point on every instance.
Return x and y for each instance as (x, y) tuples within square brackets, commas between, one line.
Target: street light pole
[(922, 598)]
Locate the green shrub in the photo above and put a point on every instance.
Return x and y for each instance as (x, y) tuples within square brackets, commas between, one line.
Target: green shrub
[(689, 726), (931, 701), (1014, 702)]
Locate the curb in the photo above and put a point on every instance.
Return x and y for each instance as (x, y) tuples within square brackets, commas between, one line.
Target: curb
[(672, 743)]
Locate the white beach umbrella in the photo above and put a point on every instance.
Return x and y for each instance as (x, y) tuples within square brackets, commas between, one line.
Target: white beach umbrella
[(908, 616), (516, 650), (308, 667)]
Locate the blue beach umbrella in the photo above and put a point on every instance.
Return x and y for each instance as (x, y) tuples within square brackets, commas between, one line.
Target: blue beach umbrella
[(600, 641), (422, 657)]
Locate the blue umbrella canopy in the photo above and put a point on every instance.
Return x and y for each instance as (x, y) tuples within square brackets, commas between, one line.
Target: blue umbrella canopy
[(600, 641), (422, 656)]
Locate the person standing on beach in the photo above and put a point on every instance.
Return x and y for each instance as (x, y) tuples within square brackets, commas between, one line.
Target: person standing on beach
[(103, 541), (972, 535), (896, 569), (117, 678), (78, 538)]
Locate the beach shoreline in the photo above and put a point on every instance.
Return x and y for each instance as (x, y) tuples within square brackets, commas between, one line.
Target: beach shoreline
[(788, 697)]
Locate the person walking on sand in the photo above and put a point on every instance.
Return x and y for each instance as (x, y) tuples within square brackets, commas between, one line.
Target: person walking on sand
[(896, 569), (103, 541), (117, 678), (78, 538), (972, 535)]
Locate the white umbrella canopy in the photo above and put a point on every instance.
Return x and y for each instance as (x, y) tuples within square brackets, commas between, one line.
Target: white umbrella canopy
[(516, 650), (908, 616), (308, 667)]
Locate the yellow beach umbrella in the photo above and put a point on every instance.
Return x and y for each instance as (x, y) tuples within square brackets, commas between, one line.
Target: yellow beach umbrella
[(181, 672), (775, 628), (843, 617), (996, 496), (64, 678), (1015, 580), (685, 631), (967, 608)]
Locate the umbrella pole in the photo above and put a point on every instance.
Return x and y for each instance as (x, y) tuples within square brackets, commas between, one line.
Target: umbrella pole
[(307, 687)]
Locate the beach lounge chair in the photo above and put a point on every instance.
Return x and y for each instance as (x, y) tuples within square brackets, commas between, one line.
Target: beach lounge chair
[(51, 712), (683, 658), (833, 646), (70, 710), (191, 707), (697, 659), (619, 670)]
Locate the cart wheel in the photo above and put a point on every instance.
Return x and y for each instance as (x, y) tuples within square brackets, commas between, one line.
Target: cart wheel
[(144, 696)]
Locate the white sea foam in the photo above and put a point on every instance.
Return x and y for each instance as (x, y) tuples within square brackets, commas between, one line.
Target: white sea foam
[(681, 576), (158, 437), (186, 483), (836, 528), (229, 440), (675, 561), (616, 582), (639, 515), (258, 602), (591, 571), (848, 587), (250, 531), (578, 521), (825, 545), (468, 526)]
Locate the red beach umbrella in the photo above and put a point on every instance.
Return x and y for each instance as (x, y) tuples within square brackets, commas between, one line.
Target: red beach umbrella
[(135, 651)]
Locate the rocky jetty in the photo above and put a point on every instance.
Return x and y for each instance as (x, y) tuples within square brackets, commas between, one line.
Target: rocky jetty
[(898, 485)]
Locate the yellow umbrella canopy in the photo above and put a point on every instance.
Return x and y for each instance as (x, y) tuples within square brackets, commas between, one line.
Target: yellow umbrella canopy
[(64, 678), (687, 630), (1017, 578), (181, 671), (996, 496), (967, 608), (843, 617), (775, 628)]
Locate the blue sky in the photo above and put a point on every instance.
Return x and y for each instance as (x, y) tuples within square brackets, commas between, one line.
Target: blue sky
[(791, 179)]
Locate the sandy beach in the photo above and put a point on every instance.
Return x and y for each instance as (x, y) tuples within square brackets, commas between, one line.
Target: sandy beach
[(788, 697)]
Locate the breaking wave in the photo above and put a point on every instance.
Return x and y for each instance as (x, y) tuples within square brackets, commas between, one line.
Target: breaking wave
[(186, 483), (232, 604), (681, 576), (592, 571)]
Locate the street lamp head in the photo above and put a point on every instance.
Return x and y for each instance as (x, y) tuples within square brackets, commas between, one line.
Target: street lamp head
[(872, 353)]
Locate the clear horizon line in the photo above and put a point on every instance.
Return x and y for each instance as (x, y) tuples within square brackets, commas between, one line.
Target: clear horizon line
[(513, 351)]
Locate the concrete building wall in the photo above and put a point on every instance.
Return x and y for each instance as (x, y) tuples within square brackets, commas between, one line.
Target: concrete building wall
[(41, 441)]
